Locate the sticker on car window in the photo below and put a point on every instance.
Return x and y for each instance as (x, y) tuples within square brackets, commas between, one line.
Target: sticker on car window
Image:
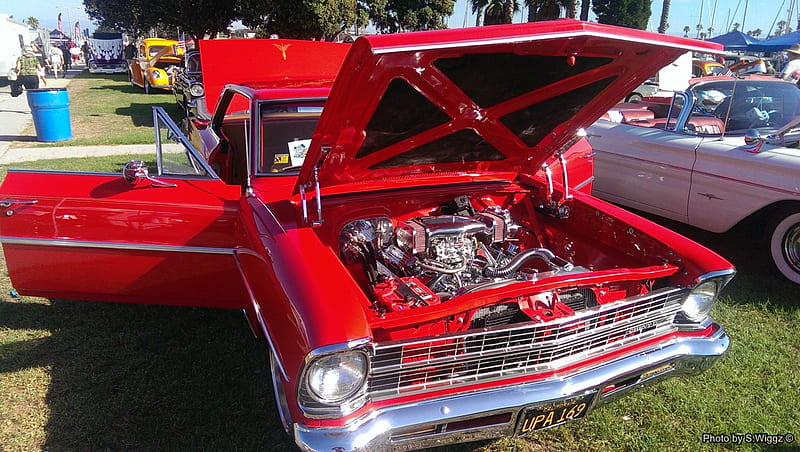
[(298, 150)]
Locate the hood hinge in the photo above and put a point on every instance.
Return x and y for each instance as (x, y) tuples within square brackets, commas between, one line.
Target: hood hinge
[(314, 183)]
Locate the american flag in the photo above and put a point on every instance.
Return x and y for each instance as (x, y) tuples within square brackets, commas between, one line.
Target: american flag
[(182, 43), (59, 22)]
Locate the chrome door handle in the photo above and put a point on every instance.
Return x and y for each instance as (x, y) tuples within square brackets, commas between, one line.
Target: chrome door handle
[(11, 202), (6, 203)]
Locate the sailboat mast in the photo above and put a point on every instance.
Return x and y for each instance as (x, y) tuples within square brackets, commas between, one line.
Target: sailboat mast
[(744, 16), (700, 20)]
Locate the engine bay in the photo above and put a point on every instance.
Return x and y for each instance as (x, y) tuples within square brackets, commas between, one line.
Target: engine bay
[(457, 250)]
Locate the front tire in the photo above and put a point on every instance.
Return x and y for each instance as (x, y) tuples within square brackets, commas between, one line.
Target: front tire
[(784, 244)]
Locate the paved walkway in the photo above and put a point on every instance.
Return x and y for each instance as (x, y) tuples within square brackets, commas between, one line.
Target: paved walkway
[(16, 124)]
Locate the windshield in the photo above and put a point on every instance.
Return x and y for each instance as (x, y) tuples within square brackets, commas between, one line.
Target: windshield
[(153, 50), (193, 63), (286, 136), (749, 104)]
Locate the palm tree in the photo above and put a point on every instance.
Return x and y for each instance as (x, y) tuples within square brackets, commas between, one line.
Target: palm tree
[(585, 9), (32, 22), (663, 25), (736, 26), (572, 8), (478, 7), (699, 28), (500, 11), (545, 9), (686, 31)]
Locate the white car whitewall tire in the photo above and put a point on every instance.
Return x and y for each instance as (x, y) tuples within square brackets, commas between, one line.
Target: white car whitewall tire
[(784, 244)]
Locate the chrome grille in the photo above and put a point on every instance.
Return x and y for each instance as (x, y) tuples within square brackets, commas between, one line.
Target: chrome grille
[(489, 354)]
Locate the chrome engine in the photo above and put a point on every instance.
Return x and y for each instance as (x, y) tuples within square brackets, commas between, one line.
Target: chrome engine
[(430, 259)]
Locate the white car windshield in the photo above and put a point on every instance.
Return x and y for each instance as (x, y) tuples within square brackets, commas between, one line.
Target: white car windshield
[(749, 104)]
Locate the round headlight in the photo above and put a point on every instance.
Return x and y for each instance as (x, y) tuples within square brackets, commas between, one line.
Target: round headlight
[(335, 377), (155, 74), (196, 90), (700, 301)]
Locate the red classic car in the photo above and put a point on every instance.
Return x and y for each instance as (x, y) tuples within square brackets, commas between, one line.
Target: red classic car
[(404, 237)]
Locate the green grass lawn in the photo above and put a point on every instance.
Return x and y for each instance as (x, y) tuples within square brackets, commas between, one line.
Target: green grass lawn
[(106, 109), (86, 376)]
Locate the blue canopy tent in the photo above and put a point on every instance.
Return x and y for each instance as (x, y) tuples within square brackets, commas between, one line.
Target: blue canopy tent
[(735, 40), (776, 44)]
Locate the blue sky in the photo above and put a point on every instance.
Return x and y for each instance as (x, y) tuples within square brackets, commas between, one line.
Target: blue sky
[(47, 12), (760, 13)]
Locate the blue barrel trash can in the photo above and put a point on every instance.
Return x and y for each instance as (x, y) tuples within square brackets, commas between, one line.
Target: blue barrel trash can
[(50, 110)]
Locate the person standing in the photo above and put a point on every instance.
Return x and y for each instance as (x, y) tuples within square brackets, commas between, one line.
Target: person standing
[(67, 57), (27, 67), (57, 61), (791, 71), (85, 51)]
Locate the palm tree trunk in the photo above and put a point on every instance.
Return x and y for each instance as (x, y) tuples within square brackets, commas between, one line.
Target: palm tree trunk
[(508, 11), (585, 9), (664, 24), (572, 9)]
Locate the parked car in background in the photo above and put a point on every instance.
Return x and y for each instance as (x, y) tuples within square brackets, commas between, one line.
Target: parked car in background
[(405, 238), (106, 54), (188, 86), (752, 65), (673, 75), (705, 68), (646, 89), (155, 64), (722, 152)]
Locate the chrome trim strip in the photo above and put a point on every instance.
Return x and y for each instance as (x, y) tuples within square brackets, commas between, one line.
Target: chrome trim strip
[(583, 184), (259, 316), (381, 428), (94, 173), (115, 245), (728, 273)]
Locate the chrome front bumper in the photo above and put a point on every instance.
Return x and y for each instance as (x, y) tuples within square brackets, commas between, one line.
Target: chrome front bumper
[(494, 413)]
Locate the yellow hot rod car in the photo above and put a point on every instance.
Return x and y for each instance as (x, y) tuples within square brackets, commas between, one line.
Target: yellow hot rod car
[(154, 64)]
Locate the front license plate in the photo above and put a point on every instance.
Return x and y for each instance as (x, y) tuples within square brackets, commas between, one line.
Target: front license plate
[(555, 413)]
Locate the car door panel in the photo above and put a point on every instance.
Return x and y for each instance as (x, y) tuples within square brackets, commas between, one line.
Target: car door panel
[(654, 165), (731, 183), (97, 237)]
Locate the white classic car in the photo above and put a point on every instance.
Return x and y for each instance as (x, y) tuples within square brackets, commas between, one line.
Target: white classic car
[(731, 156)]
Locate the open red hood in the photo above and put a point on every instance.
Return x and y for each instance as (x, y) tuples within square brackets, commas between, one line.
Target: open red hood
[(502, 97), (228, 61)]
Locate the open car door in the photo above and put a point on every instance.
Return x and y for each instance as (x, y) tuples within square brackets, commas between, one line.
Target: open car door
[(163, 239)]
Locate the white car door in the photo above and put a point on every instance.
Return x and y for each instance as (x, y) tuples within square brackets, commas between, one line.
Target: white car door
[(643, 168)]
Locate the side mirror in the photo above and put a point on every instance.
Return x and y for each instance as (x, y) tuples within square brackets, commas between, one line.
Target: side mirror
[(753, 141), (135, 171)]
